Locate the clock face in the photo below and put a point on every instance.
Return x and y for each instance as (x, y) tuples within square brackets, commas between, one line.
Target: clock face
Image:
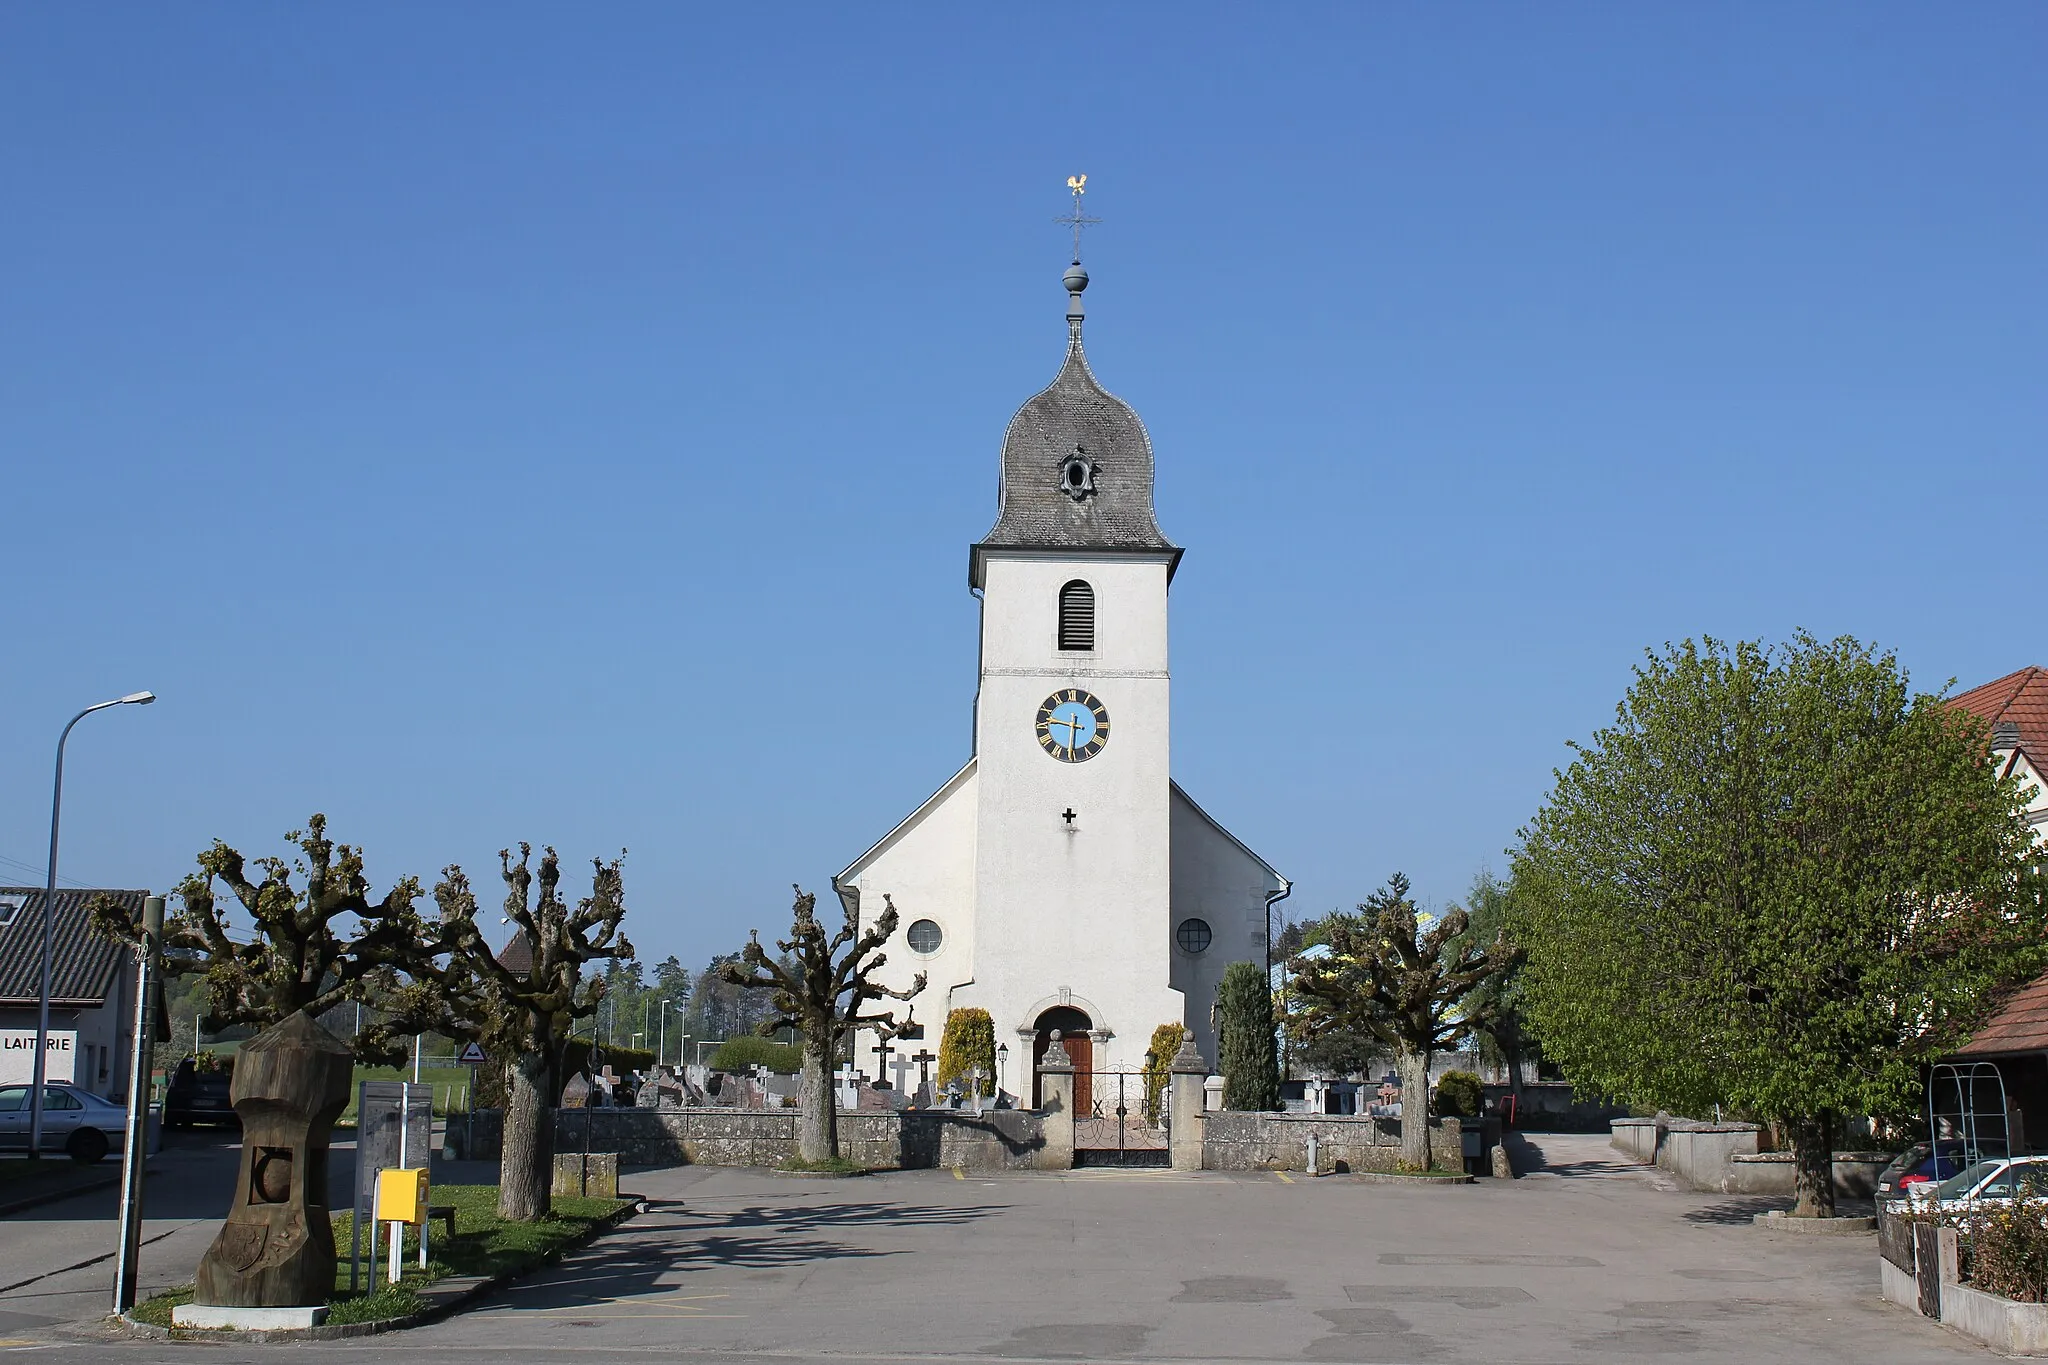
[(1073, 726)]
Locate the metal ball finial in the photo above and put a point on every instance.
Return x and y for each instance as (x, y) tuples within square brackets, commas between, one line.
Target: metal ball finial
[(1076, 279)]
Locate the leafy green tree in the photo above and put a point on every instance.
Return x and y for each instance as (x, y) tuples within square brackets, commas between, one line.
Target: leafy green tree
[(1250, 1058), (1780, 882), (819, 986), (1389, 976), (969, 1041)]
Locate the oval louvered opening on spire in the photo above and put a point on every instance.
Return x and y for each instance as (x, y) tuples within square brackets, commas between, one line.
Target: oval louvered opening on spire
[(1077, 616)]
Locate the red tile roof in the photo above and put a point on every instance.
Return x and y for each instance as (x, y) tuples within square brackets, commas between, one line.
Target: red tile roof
[(2020, 1025), (2021, 698)]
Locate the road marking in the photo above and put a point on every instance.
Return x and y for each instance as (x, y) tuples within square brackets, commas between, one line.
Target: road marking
[(683, 1303), (1285, 1178)]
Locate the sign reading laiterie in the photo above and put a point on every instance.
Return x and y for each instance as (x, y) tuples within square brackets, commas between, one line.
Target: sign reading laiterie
[(18, 1056)]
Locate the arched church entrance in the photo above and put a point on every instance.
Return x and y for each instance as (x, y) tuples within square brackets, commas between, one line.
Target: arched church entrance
[(1073, 1027)]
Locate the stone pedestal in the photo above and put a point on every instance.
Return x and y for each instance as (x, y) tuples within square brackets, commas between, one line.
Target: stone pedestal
[(1189, 1071), (1057, 1088), (276, 1249), (586, 1175)]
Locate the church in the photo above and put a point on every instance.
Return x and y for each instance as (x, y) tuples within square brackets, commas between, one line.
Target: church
[(1062, 880)]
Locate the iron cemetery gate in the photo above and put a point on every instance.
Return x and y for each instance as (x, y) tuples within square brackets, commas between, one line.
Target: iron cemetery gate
[(1114, 1129)]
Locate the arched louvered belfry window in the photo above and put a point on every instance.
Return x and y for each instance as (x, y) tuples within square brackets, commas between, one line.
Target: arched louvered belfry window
[(1077, 616)]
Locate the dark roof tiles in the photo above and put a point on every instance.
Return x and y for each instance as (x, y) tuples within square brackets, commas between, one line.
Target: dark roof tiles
[(2019, 1025), (83, 966)]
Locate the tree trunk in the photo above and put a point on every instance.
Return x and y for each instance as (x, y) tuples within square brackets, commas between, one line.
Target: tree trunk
[(526, 1166), (1813, 1166), (1413, 1065), (817, 1134)]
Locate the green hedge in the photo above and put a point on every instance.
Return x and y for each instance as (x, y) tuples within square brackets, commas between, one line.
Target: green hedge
[(745, 1052)]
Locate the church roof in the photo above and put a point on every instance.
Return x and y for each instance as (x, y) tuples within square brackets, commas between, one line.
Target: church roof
[(1041, 504), (2016, 705)]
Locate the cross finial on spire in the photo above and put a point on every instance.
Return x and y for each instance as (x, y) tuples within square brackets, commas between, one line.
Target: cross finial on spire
[(1077, 220)]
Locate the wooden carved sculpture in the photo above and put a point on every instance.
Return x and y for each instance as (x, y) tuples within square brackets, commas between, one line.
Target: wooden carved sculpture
[(276, 1249)]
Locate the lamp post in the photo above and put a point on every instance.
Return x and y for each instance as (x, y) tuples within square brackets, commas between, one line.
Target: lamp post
[(35, 1094), (1002, 1062)]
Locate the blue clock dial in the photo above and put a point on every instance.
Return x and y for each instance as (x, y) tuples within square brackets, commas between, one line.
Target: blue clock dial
[(1072, 725)]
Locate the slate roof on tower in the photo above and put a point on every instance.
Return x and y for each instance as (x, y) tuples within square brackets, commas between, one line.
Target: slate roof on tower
[(1039, 504)]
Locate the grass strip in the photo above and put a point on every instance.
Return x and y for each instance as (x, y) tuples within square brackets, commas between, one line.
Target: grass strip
[(483, 1245)]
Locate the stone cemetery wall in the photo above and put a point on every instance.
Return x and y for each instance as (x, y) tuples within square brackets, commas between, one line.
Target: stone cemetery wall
[(1240, 1140), (994, 1141)]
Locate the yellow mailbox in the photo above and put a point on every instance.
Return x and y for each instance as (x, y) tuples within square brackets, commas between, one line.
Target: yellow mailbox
[(401, 1196)]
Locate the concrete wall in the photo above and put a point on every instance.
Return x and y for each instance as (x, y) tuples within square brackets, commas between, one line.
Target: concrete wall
[(1553, 1107), (1239, 1140), (1722, 1158)]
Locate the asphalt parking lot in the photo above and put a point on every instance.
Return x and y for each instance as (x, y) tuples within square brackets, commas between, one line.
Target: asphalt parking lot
[(1583, 1260)]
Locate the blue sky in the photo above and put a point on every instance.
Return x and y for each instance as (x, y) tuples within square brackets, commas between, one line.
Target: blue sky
[(485, 423)]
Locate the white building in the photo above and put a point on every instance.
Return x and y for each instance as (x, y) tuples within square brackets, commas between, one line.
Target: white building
[(2016, 706), (1061, 880), (92, 989)]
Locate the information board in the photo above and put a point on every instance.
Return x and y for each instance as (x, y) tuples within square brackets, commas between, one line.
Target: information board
[(394, 1128)]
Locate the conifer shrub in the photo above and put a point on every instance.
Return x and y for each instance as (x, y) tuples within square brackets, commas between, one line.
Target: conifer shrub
[(968, 1042), (1459, 1094), (1250, 1056), (1166, 1041)]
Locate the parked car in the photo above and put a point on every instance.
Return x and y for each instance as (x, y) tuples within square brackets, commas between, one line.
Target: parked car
[(197, 1096), (1998, 1181), (75, 1122), (1919, 1164)]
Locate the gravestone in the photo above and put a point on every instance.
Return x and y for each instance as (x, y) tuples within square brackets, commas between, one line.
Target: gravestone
[(576, 1094), (276, 1247)]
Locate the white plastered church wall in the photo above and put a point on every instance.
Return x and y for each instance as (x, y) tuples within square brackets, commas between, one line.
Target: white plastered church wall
[(1084, 905), (1219, 881), (925, 866)]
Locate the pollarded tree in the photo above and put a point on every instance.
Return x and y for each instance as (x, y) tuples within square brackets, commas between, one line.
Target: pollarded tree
[(1780, 882), (521, 1005), (968, 1042), (1390, 977), (819, 985), (1248, 1055), (314, 945)]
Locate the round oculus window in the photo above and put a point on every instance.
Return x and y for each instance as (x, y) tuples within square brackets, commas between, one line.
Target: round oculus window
[(925, 936), (1193, 936)]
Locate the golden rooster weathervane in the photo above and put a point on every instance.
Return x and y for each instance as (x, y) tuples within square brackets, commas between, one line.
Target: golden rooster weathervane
[(1077, 220)]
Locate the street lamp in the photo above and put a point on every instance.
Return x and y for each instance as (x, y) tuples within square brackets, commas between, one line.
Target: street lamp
[(35, 1094), (1002, 1062)]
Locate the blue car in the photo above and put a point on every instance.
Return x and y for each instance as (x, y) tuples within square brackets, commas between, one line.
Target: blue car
[(76, 1122), (1921, 1164)]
